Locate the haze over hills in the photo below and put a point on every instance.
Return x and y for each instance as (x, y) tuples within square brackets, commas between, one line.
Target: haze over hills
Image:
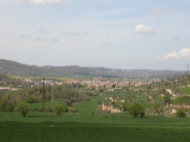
[(18, 69)]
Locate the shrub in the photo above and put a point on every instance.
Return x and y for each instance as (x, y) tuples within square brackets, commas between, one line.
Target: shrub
[(181, 113), (31, 99), (23, 108), (137, 110), (158, 108), (124, 106), (7, 104), (60, 108)]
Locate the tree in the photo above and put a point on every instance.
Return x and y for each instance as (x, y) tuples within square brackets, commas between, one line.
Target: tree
[(23, 108), (166, 98), (125, 106), (137, 110), (7, 103), (60, 108), (158, 108)]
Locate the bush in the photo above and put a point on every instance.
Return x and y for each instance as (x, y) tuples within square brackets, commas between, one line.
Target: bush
[(124, 106), (23, 108), (60, 108), (31, 99), (158, 108), (137, 110), (7, 104), (181, 113)]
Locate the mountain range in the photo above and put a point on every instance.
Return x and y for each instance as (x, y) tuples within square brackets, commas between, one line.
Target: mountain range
[(18, 69)]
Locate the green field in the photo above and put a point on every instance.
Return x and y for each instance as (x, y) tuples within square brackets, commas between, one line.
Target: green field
[(109, 129), (91, 125), (186, 90)]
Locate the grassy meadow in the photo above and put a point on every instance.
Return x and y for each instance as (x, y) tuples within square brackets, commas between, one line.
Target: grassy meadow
[(91, 132), (89, 124)]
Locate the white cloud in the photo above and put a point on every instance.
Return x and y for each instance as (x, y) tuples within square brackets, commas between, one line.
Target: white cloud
[(71, 33), (24, 36), (140, 28), (44, 31), (49, 37), (42, 2), (53, 38), (160, 10), (184, 53), (9, 2), (112, 12), (39, 2)]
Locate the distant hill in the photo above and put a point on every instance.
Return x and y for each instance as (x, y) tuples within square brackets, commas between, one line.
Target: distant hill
[(19, 69)]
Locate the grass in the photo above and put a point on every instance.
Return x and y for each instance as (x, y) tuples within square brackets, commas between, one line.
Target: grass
[(147, 129), (185, 90), (85, 127)]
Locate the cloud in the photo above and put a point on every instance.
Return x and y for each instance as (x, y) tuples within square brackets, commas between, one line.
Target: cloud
[(24, 36), (112, 12), (184, 53), (10, 2), (44, 31), (46, 2), (47, 38), (71, 33), (160, 10), (53, 38), (177, 38), (38, 2), (140, 28), (46, 34)]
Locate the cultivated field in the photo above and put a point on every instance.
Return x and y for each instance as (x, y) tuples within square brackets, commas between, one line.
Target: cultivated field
[(90, 125), (78, 113)]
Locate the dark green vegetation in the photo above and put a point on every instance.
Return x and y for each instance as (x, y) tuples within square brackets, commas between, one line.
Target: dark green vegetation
[(83, 126), (139, 130), (181, 113), (137, 110), (23, 108)]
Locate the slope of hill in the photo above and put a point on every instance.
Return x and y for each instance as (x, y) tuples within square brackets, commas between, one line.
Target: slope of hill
[(18, 69)]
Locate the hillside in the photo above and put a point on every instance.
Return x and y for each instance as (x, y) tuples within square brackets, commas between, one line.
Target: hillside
[(19, 69)]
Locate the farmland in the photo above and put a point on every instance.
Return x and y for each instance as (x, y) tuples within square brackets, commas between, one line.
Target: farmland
[(85, 120), (82, 126), (138, 130)]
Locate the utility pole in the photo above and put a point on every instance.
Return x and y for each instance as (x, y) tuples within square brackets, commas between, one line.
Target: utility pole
[(43, 95), (52, 94)]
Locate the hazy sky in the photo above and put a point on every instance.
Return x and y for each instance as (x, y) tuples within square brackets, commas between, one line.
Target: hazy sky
[(127, 34)]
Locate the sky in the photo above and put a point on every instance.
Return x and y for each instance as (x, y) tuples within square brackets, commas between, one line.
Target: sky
[(124, 34)]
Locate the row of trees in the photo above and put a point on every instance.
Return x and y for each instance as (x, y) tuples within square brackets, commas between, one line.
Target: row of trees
[(8, 104), (63, 96)]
